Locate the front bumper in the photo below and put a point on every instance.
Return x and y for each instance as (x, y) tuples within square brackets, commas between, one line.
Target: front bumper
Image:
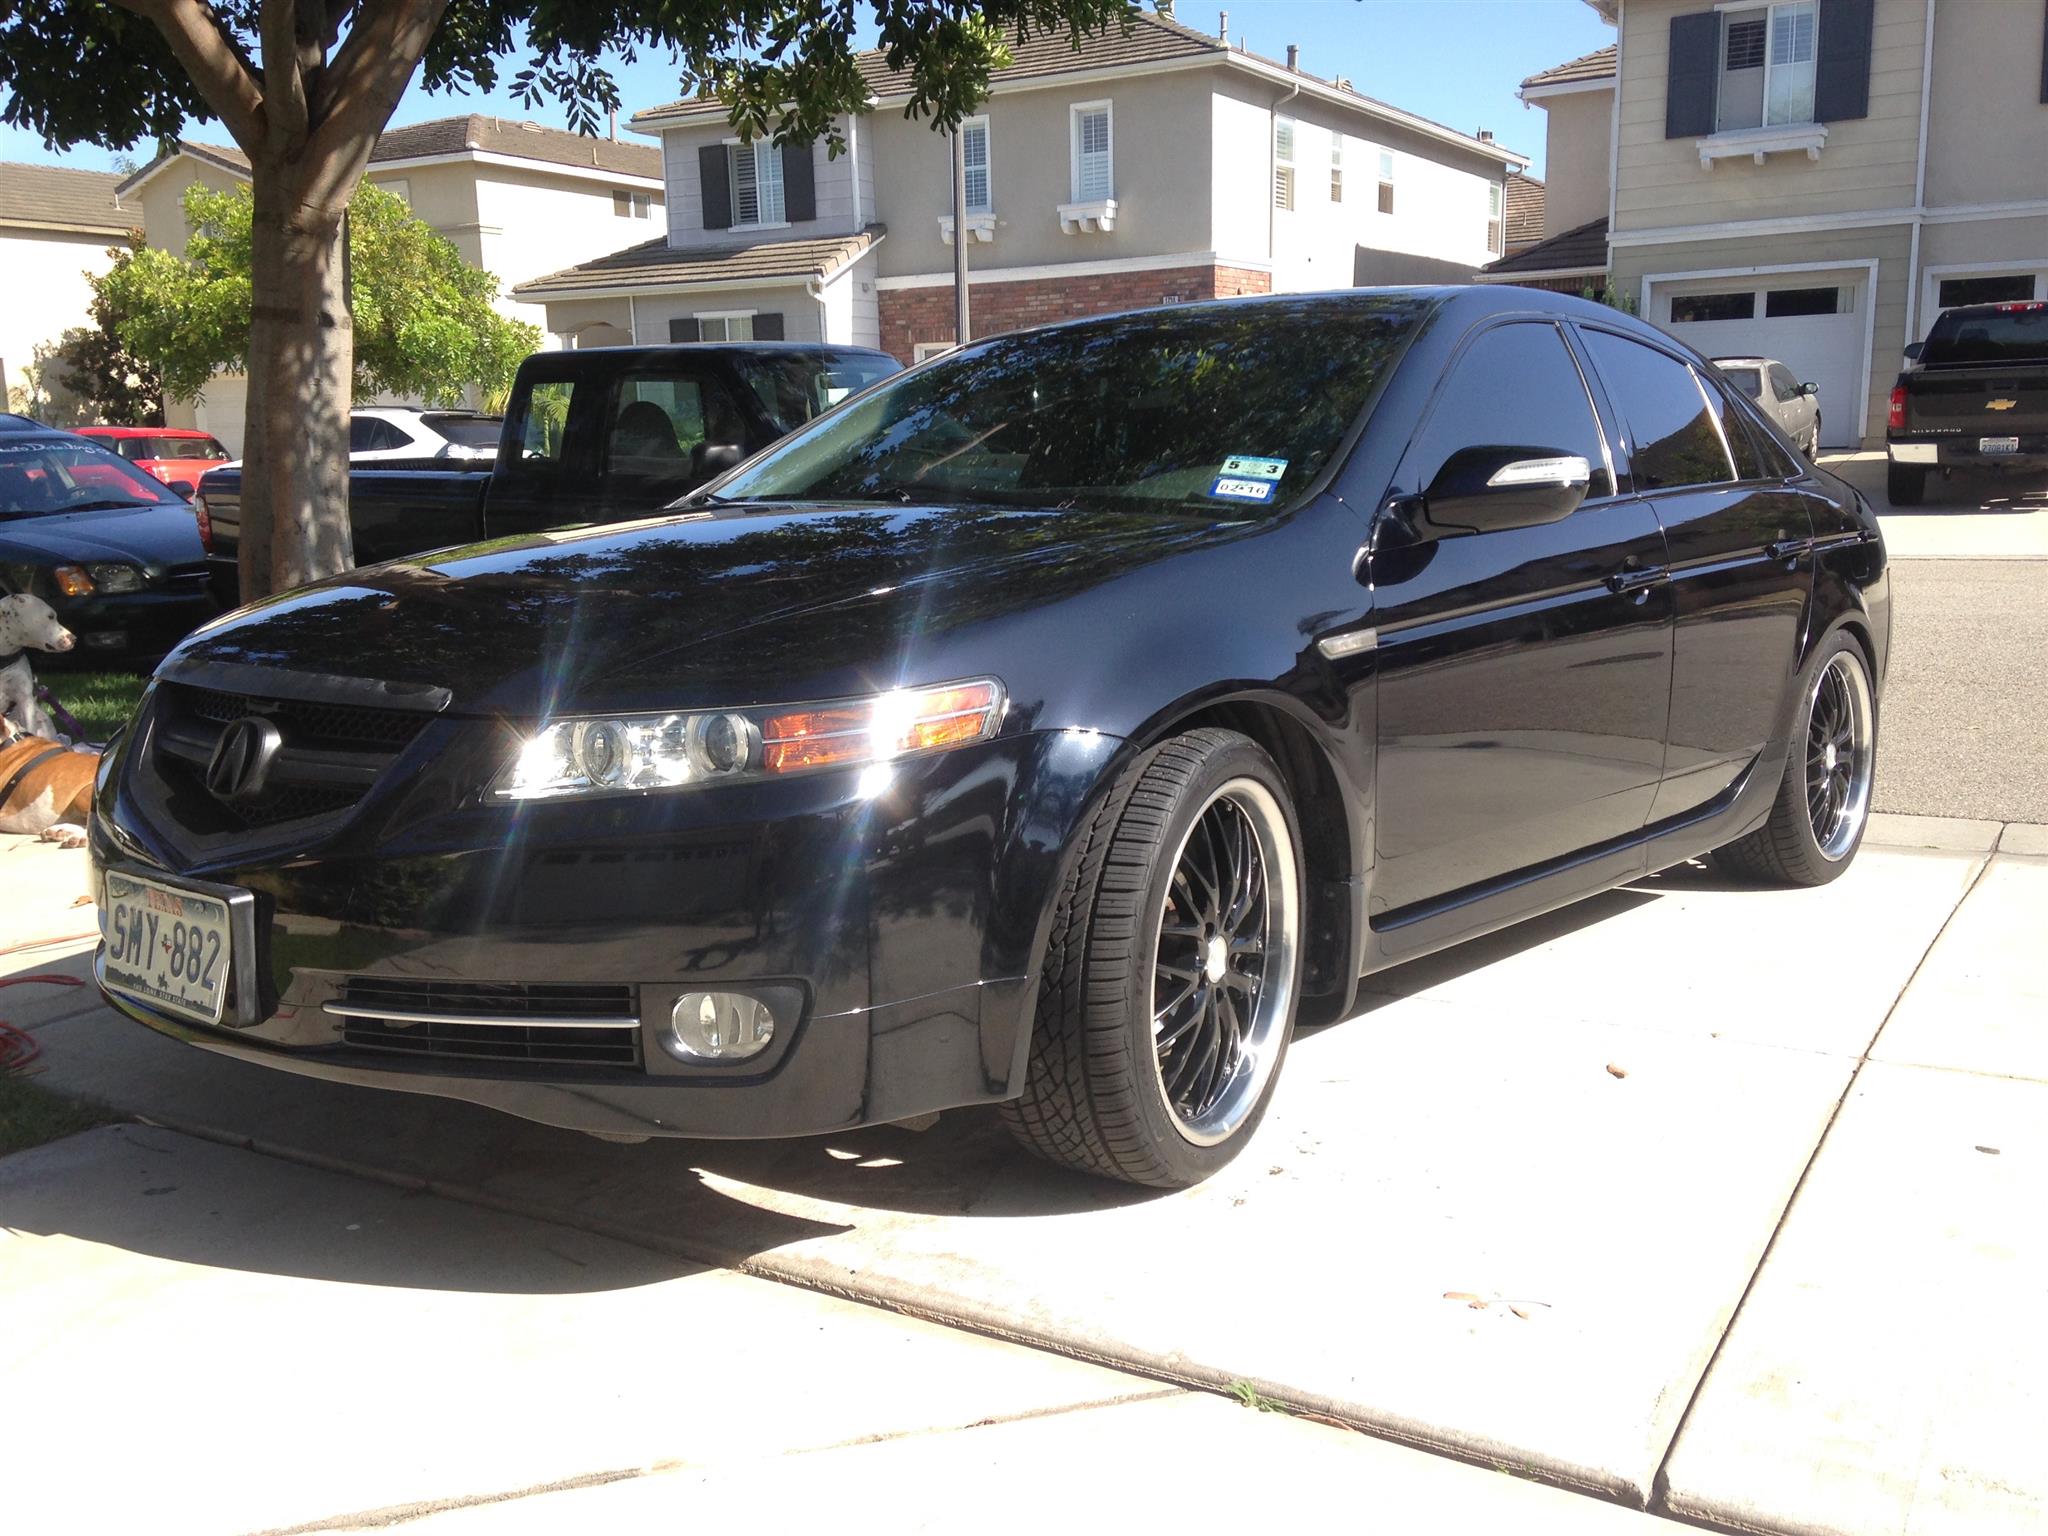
[(908, 923), (135, 623)]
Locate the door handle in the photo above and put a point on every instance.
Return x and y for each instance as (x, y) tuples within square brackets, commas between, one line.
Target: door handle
[(1637, 579), (1788, 549)]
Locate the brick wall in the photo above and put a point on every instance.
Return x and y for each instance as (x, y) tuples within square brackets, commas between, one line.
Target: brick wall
[(913, 315)]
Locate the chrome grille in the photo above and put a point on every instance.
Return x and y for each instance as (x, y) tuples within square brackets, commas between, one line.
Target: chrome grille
[(539, 1023)]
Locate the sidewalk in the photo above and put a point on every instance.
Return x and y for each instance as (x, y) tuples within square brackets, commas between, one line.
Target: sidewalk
[(1735, 1246)]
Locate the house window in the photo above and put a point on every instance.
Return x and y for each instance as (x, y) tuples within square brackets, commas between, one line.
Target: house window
[(1984, 290), (1336, 167), (1493, 217), (632, 205), (1283, 164), (1386, 181), (756, 183), (726, 327), (1783, 303), (974, 140), (931, 349), (1094, 146), (1767, 66), (1688, 307)]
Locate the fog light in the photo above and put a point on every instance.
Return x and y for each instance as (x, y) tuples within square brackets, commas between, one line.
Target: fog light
[(718, 1026)]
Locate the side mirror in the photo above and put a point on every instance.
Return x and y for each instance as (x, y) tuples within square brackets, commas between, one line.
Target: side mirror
[(1483, 490), (1809, 388), (1913, 350), (184, 490)]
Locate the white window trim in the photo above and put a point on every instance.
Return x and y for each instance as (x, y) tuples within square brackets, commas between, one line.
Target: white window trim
[(1770, 8), (1383, 168), (1285, 163), (1755, 143), (1074, 111), (981, 228), (1931, 280), (700, 316), (924, 351), (732, 191), (988, 147)]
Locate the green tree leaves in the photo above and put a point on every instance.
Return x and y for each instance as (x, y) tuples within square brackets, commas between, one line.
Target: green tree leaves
[(424, 319)]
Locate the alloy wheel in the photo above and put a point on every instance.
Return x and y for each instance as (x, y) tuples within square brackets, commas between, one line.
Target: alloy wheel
[(1223, 963), (1839, 755)]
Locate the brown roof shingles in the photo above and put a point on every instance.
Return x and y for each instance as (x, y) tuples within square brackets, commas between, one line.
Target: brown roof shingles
[(1597, 65), (59, 198), (1581, 249), (656, 264), (1525, 213)]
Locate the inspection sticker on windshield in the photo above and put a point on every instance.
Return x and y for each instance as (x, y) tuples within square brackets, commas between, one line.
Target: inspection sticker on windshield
[(1242, 490), (1240, 467)]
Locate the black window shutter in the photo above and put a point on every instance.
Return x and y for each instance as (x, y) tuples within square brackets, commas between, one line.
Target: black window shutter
[(768, 323), (799, 184), (684, 329), (715, 173), (1841, 70), (1693, 75)]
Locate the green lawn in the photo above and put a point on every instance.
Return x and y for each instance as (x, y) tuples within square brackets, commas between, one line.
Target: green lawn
[(30, 1116), (102, 701)]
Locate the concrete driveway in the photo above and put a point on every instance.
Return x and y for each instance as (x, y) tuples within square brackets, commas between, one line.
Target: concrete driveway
[(1723, 1202)]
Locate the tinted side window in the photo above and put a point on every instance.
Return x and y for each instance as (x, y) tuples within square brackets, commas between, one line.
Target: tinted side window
[(362, 433), (1671, 433), (1516, 385), (1782, 383), (1749, 464)]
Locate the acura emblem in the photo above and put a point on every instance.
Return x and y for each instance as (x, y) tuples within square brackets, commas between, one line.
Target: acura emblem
[(240, 765), (2000, 405)]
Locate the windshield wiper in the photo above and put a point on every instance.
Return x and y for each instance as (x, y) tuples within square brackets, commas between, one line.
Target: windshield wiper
[(106, 506)]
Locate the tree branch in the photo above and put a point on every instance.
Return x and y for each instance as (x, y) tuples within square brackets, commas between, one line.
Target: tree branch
[(359, 90), (210, 57), (284, 80)]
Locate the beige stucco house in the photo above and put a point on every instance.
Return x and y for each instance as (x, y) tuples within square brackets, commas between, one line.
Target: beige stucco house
[(1160, 166), (57, 225), (515, 198), (1815, 180)]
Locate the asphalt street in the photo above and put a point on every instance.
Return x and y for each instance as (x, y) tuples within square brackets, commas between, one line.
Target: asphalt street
[(1965, 723)]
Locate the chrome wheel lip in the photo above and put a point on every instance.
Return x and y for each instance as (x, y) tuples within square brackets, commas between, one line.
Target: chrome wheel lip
[(1841, 749), (1259, 1045)]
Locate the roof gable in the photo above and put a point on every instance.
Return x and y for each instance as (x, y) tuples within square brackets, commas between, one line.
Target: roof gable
[(1587, 67)]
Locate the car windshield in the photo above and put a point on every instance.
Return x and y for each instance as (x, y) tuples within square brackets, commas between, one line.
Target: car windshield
[(466, 431), (1747, 381), (1231, 408), (2012, 333), (42, 475), (793, 388), (161, 448)]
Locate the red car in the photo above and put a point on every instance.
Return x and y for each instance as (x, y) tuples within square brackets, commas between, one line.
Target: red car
[(177, 456)]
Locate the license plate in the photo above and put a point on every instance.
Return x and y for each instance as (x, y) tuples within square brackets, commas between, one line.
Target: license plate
[(1998, 445), (166, 946)]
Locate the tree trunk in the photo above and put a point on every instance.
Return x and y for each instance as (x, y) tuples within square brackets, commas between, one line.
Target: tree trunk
[(295, 525)]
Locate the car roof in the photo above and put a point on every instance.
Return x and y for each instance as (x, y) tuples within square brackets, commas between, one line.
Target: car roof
[(418, 410), (10, 422), (97, 431)]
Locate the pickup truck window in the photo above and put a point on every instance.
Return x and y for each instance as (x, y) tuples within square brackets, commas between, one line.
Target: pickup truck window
[(542, 433), (2014, 333), (661, 423), (792, 390)]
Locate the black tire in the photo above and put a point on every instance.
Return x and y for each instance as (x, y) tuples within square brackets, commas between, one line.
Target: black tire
[(1905, 485), (1095, 1093), (1789, 848)]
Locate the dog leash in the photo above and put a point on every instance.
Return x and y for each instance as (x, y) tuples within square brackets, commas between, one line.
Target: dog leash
[(65, 721)]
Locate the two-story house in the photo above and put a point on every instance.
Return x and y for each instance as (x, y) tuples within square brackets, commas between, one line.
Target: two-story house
[(513, 197), (1570, 253), (56, 226), (1160, 166), (1815, 180)]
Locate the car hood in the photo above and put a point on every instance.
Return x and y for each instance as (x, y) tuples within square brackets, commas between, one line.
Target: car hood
[(159, 536), (734, 606)]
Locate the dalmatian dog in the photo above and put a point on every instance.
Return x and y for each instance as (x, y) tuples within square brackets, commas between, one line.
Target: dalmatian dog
[(27, 624)]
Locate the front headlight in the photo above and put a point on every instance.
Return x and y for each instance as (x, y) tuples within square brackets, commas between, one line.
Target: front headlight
[(115, 578), (610, 754)]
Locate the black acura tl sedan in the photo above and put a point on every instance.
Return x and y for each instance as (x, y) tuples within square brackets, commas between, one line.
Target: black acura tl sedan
[(1060, 724)]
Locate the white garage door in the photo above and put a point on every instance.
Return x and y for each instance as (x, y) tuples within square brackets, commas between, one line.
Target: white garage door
[(1810, 322)]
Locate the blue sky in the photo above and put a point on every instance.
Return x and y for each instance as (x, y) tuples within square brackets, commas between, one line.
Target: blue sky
[(1457, 61)]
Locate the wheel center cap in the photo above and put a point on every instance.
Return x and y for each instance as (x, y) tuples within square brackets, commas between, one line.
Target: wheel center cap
[(1215, 958), (1827, 757)]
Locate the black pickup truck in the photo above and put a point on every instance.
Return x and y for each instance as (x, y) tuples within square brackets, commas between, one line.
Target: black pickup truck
[(1974, 397), (594, 436)]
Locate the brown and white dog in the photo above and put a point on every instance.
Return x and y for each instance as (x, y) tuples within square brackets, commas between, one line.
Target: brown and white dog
[(26, 624), (46, 789)]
